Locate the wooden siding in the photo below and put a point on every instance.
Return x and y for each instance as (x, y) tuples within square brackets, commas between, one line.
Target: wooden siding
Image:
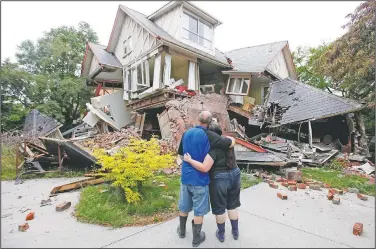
[(142, 41), (278, 65), (171, 22)]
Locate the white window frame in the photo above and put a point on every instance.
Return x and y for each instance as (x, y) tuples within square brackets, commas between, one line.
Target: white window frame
[(242, 78), (127, 46), (198, 30), (145, 77)]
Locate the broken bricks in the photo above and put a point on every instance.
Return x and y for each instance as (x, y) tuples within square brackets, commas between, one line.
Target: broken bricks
[(273, 185), (338, 191), (336, 200), (301, 186), (30, 216), (23, 227), (362, 197), (292, 182), (292, 188), (357, 229), (285, 184), (282, 196), (330, 195), (63, 206)]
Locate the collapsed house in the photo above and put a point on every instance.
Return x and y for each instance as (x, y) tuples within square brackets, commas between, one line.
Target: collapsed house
[(159, 71)]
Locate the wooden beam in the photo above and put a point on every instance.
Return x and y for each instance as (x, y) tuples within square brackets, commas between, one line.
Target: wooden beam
[(77, 185)]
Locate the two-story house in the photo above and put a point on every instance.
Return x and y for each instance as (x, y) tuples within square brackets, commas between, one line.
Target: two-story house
[(149, 57)]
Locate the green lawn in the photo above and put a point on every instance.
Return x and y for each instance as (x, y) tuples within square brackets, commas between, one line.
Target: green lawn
[(8, 163), (104, 205), (109, 208), (248, 181), (338, 180)]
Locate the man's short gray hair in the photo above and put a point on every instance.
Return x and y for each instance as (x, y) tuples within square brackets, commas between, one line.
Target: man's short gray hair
[(205, 117)]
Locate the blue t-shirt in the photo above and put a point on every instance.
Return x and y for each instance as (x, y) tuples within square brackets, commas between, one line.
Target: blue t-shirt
[(196, 143)]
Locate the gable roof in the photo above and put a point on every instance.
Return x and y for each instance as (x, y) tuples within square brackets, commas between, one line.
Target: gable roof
[(166, 38), (300, 102), (104, 57), (188, 5), (256, 58)]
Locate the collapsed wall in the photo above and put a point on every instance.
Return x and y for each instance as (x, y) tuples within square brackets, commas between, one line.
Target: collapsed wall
[(181, 114)]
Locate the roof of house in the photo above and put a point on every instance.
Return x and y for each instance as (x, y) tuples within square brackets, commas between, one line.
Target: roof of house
[(38, 124), (300, 102), (256, 58), (159, 32), (104, 57)]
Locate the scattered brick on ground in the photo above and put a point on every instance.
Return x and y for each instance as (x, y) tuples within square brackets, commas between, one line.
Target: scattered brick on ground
[(282, 196), (338, 191), (362, 197), (285, 184), (23, 227), (63, 206), (273, 185), (326, 185), (292, 188), (357, 229), (330, 195), (292, 182), (30, 216), (301, 186), (336, 200)]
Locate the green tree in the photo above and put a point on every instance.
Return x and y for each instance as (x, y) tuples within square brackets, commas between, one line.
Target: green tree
[(59, 52), (308, 62), (349, 61), (47, 77)]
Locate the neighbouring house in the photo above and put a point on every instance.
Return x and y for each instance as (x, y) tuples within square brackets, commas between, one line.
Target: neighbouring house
[(151, 61)]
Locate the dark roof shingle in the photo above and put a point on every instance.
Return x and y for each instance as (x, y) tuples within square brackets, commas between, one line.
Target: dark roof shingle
[(300, 102), (256, 58), (103, 56)]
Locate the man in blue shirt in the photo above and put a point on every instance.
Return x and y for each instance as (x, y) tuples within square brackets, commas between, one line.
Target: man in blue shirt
[(194, 190)]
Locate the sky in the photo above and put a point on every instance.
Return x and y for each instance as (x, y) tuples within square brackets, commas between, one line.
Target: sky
[(244, 23)]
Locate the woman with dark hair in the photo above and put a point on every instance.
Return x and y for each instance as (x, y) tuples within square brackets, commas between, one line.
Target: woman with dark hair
[(224, 185)]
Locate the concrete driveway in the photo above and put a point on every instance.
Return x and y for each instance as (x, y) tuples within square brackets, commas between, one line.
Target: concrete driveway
[(306, 219)]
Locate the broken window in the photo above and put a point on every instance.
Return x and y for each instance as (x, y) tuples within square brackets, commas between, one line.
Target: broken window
[(197, 31), (238, 86), (127, 45)]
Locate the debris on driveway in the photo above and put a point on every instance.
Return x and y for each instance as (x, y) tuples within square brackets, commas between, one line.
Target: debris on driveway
[(45, 202), (77, 185), (30, 216), (362, 197), (63, 206), (336, 200), (23, 227), (358, 229)]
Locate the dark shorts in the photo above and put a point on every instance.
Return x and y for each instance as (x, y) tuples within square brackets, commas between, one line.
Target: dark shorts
[(225, 191)]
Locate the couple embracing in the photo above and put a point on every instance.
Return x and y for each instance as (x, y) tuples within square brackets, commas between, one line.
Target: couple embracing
[(209, 169)]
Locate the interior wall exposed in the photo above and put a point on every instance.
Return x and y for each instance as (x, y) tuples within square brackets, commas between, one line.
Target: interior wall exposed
[(179, 68)]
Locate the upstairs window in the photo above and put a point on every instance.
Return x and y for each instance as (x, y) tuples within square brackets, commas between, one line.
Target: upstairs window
[(197, 31), (238, 86), (127, 46)]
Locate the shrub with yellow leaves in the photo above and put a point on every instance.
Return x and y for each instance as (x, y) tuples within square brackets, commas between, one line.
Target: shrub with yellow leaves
[(133, 165)]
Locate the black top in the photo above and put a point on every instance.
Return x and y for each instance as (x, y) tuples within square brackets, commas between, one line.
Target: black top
[(220, 152)]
